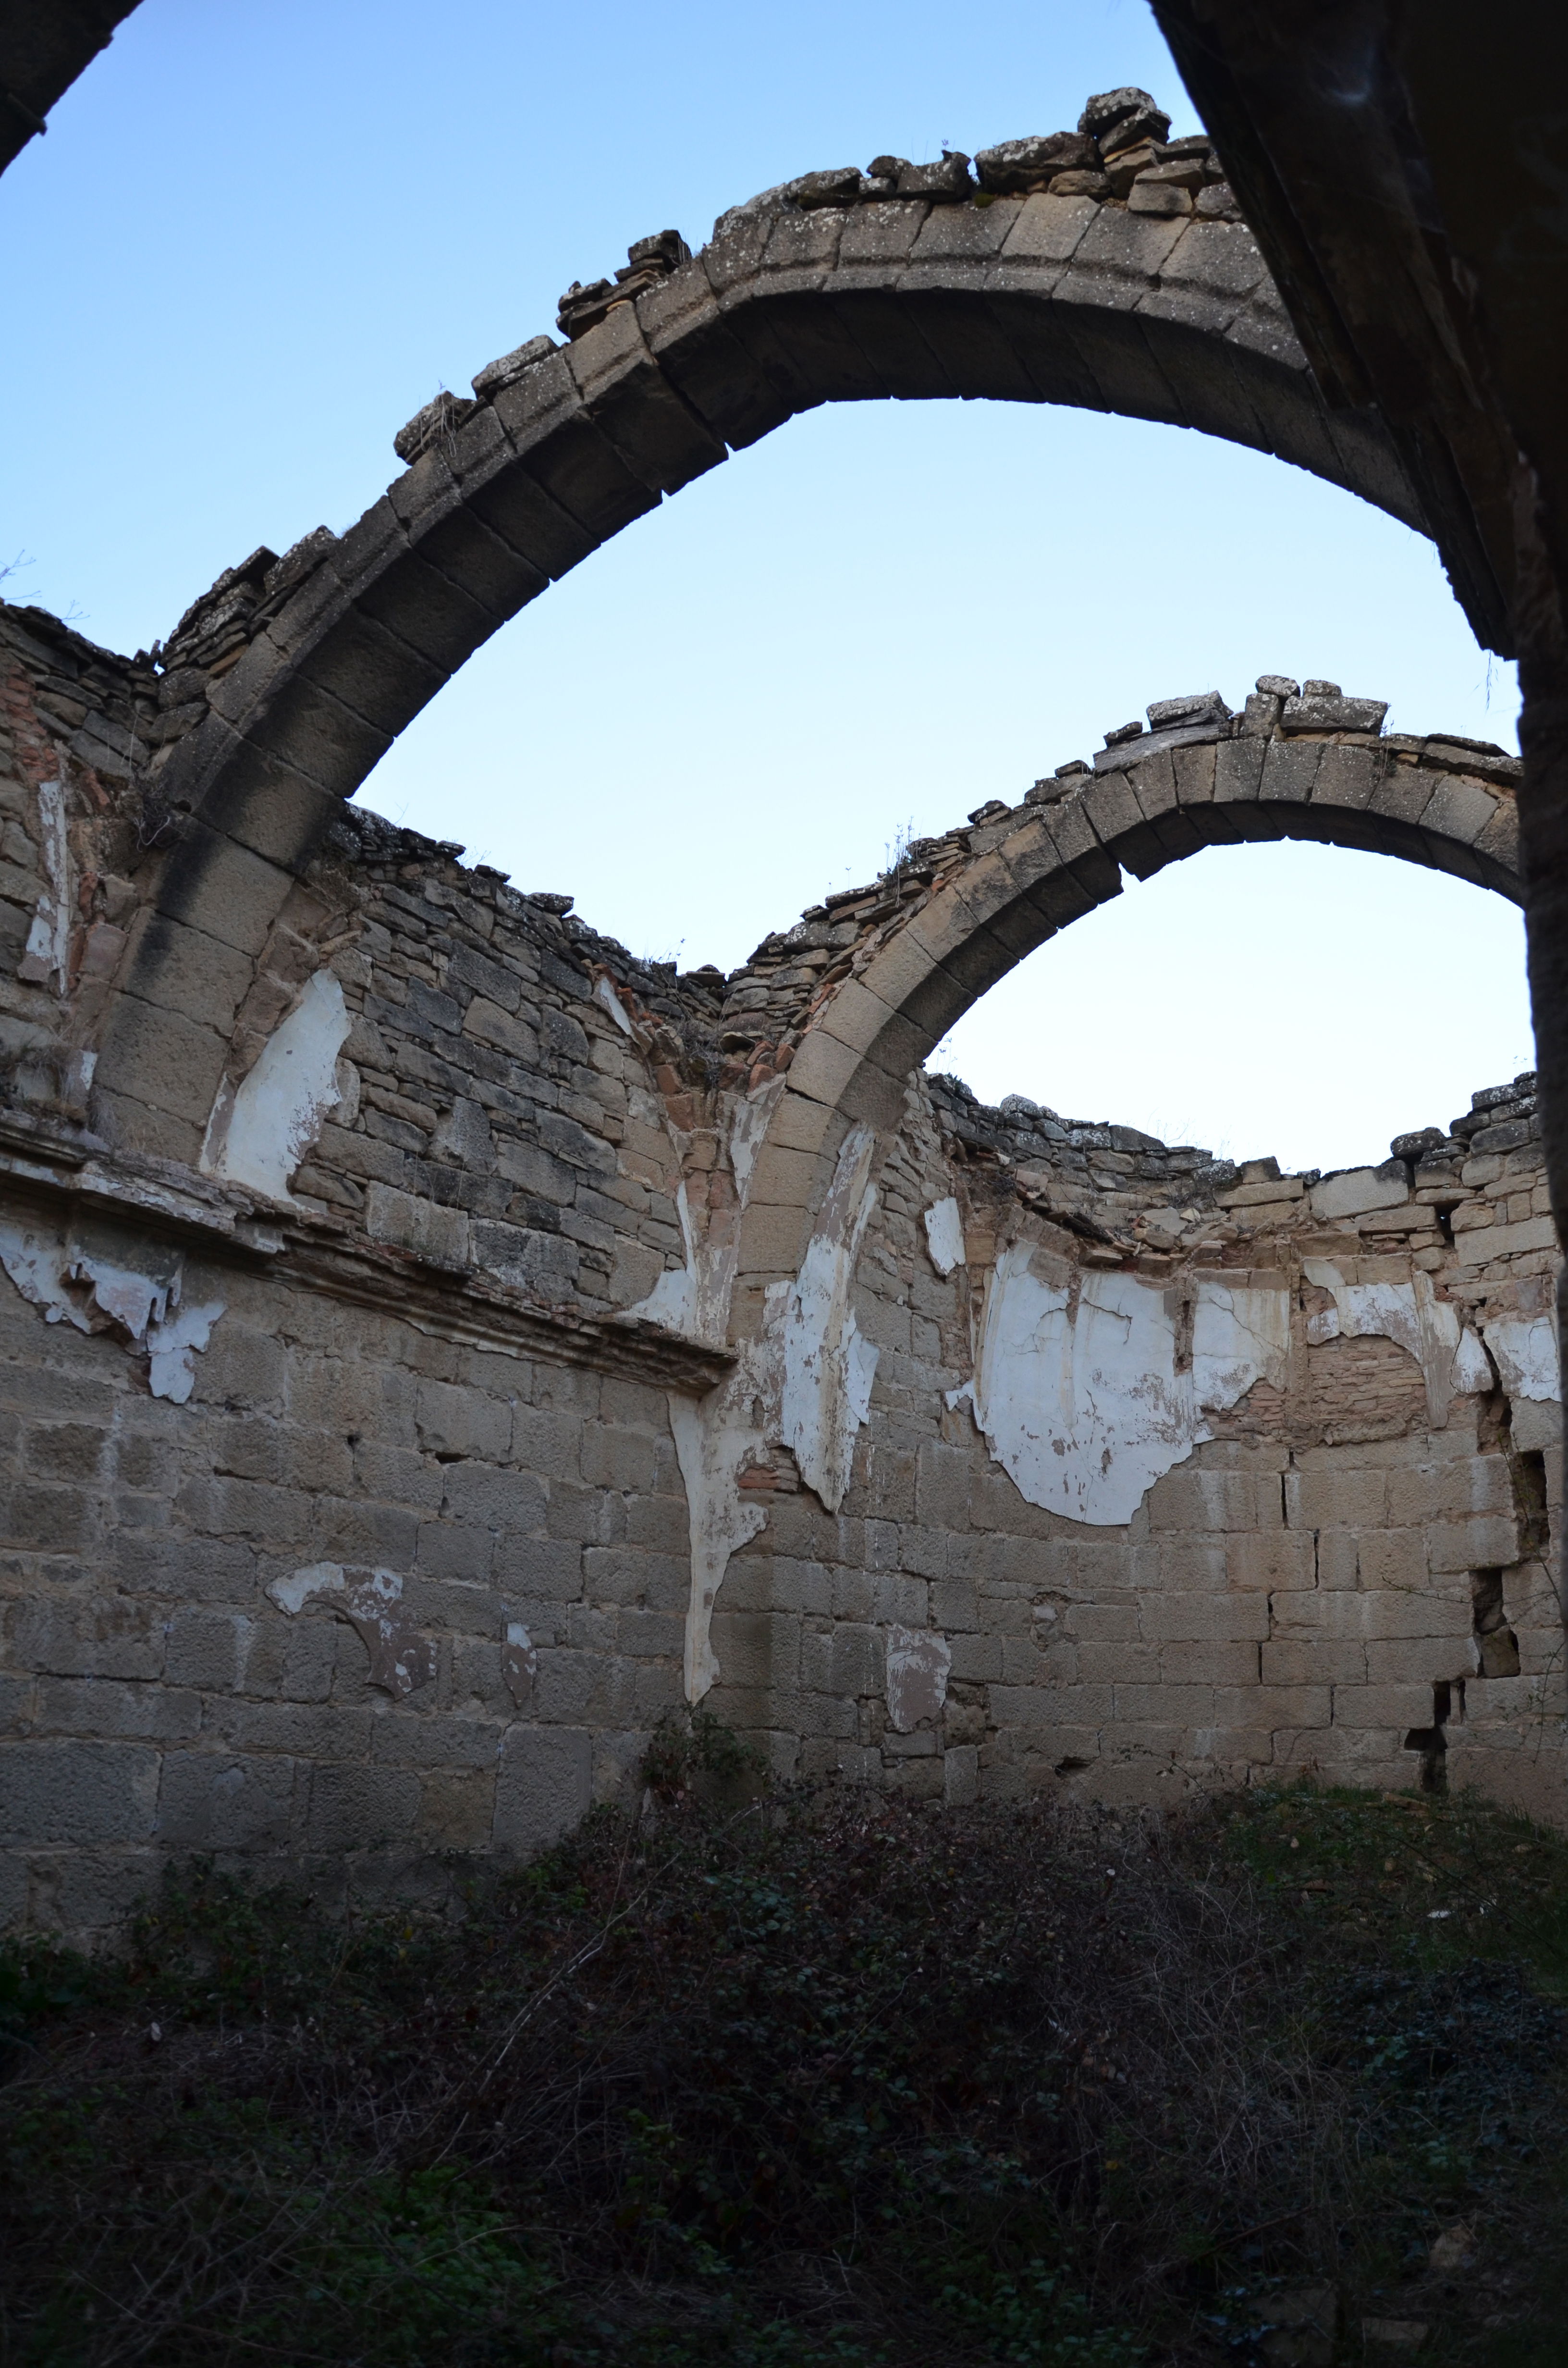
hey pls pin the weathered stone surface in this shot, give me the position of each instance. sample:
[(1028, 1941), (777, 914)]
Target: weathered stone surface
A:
[(1323, 707), (1015, 168), (581, 1346)]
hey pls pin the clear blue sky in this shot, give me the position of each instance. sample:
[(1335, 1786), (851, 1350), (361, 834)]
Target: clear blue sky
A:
[(260, 235)]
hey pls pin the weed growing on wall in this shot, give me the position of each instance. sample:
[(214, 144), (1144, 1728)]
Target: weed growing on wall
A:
[(781, 2080)]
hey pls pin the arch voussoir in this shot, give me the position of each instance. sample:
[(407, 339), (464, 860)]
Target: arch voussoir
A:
[(1069, 298), (980, 901)]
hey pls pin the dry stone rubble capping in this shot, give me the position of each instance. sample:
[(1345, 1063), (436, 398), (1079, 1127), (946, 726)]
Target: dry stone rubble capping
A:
[(438, 1344)]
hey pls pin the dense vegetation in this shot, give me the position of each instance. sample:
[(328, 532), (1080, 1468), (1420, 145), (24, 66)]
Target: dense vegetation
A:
[(817, 2078)]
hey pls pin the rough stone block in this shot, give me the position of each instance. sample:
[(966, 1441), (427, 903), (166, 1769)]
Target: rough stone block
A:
[(1506, 1241), (1312, 1660), (362, 1808), (1395, 1558), (1382, 1706), (1032, 1706), (88, 1895), (1360, 1190), (63, 1450), (544, 1787), (1120, 1662), (87, 1793), (53, 1521), (1185, 1705), (960, 1775), (1209, 1664), (216, 1801), (437, 1235), (376, 1536), (1465, 1485), (613, 1458), (454, 1422), (1421, 1660), (1487, 1542), (100, 1707), (1344, 1499), (206, 1649), (1189, 1499), (111, 1637), (942, 1485), (1191, 1619)]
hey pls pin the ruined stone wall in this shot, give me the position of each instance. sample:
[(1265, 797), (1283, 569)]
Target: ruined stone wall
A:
[(1243, 1473), (378, 1478)]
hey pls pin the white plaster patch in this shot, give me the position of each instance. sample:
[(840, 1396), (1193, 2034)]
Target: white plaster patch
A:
[(400, 1658), (694, 1299), (748, 1125), (806, 1383), (35, 1260), (259, 1133), (673, 1299), (944, 1236), (132, 1288), (605, 993), (828, 1368), (48, 952), (1358, 1191), (293, 1594), (919, 1661), (1452, 1361), (1526, 1351), (715, 1438), (1076, 1384), (172, 1344), (1239, 1335), (519, 1663)]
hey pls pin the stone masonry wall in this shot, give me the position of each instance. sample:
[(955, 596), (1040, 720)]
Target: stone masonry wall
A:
[(375, 1483), (1349, 1575)]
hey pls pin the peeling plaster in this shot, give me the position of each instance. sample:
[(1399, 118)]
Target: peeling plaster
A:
[(171, 1345), (944, 1236), (1452, 1360), (401, 1658), (519, 1663), (261, 1131), (718, 1436), (919, 1661), (673, 1302), (293, 1594), (748, 1125), (715, 1440), (694, 1299), (1083, 1396), (1077, 1386), (96, 1285), (604, 992), (48, 951), (1526, 1351), (828, 1368), (806, 1383)]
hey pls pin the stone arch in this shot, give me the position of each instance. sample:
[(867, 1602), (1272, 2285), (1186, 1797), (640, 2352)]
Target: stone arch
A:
[(996, 892), (311, 665)]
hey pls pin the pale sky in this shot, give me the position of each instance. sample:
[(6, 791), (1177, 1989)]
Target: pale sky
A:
[(257, 237)]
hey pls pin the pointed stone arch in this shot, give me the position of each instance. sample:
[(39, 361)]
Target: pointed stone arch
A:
[(1031, 870), (1067, 300)]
